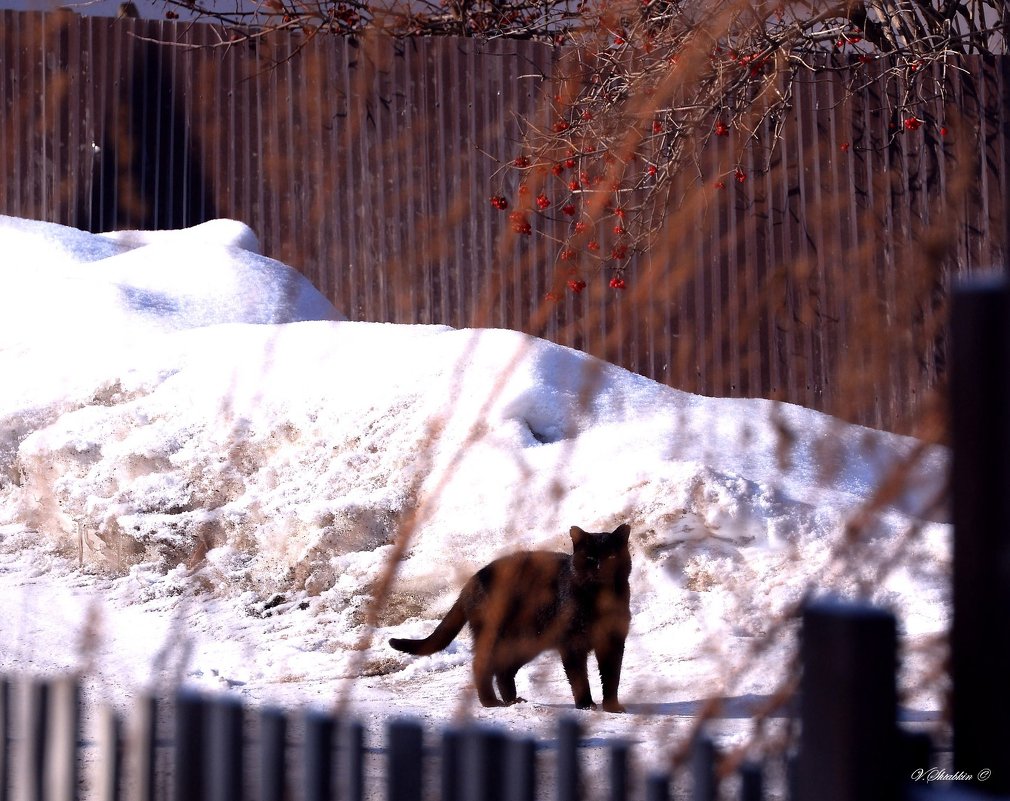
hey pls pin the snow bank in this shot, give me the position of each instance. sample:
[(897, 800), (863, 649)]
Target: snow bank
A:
[(188, 446)]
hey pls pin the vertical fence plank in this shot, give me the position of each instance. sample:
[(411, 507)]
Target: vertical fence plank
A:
[(110, 756), (568, 760), (483, 767), (61, 754), (657, 787), (451, 764), (848, 704), (521, 784), (751, 782), (273, 741), (703, 759), (143, 747), (352, 767), (33, 746), (5, 729), (188, 781), (404, 769), (618, 769), (980, 636), (320, 730), (224, 751)]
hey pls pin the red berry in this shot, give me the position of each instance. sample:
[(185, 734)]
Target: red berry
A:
[(499, 202), (543, 201), (844, 147), (580, 227), (574, 185), (587, 115), (523, 189), (593, 245), (657, 127), (653, 169), (560, 125), (912, 123), (943, 130), (620, 230), (617, 283), (552, 297), (619, 213), (576, 285), (719, 184), (740, 176), (721, 129), (619, 252), (570, 163), (521, 161), (557, 169), (568, 209)]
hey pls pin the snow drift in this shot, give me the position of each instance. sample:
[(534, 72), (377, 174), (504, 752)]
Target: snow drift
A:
[(177, 406)]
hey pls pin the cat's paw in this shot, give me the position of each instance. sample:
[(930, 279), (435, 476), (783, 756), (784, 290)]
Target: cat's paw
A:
[(585, 705), (613, 706), (518, 700)]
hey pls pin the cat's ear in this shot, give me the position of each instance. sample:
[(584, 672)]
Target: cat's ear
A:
[(623, 531), (578, 535)]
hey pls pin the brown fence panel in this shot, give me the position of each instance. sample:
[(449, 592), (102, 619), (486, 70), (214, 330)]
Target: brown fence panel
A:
[(368, 165)]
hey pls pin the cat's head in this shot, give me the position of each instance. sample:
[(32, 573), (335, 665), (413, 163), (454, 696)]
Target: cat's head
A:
[(601, 556)]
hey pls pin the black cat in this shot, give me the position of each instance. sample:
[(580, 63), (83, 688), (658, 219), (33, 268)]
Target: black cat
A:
[(526, 603)]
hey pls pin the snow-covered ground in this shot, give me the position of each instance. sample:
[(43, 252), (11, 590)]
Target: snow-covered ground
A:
[(206, 475)]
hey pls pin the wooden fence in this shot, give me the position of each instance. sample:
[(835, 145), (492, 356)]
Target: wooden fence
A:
[(367, 165), (850, 746)]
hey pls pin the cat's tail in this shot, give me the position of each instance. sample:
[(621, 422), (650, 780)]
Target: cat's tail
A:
[(444, 633)]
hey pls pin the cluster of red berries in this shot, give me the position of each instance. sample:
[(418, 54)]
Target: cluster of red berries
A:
[(499, 202)]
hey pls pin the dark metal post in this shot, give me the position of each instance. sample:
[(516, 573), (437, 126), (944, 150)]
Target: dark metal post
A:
[(224, 751), (980, 636), (751, 782), (273, 750), (5, 723), (703, 756), (452, 749), (404, 770), (37, 732), (657, 787), (484, 769), (618, 771), (110, 756), (352, 767), (143, 758), (188, 784), (521, 781), (568, 760), (848, 704), (320, 728)]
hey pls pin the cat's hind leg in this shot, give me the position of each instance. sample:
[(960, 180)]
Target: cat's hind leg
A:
[(574, 661), (507, 686)]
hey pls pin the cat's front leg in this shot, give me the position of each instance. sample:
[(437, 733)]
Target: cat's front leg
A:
[(609, 656), (507, 687), (575, 662)]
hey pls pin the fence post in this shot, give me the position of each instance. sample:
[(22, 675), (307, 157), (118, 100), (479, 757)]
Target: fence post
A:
[(5, 725), (273, 740), (522, 770), (404, 769), (568, 760), (224, 751), (318, 755), (353, 764), (483, 768), (33, 748), (188, 781), (703, 756), (980, 634), (657, 787), (752, 782), (110, 756), (848, 704), (143, 747), (452, 748), (618, 769)]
